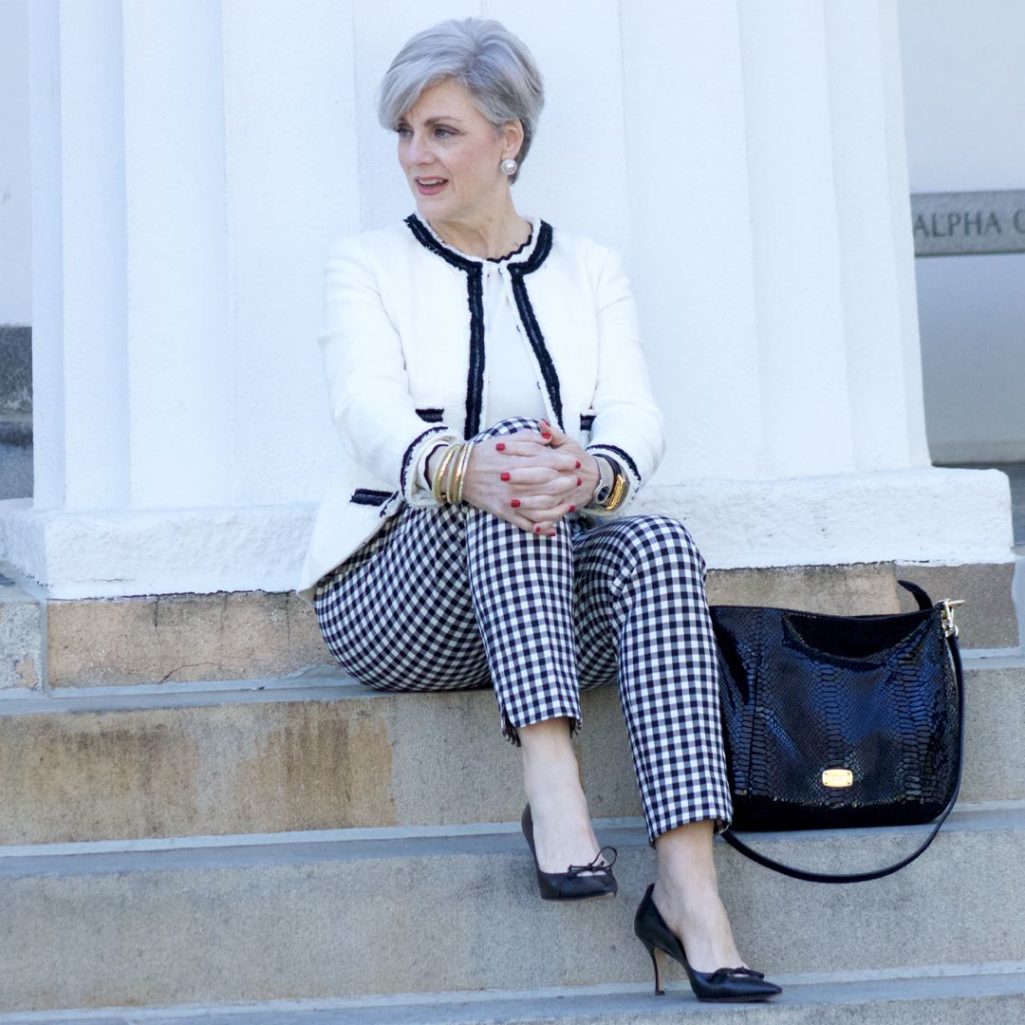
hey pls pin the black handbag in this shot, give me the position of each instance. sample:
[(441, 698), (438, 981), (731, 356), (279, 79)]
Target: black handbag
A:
[(836, 721)]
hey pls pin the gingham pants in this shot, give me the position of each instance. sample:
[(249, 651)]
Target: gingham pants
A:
[(453, 598)]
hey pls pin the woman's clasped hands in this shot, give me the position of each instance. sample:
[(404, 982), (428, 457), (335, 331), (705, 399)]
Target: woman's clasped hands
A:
[(532, 479)]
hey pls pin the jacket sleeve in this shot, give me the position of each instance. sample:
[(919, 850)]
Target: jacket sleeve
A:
[(628, 424), (366, 375)]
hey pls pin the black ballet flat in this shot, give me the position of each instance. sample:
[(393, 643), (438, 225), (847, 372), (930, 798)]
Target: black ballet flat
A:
[(578, 881), (726, 985)]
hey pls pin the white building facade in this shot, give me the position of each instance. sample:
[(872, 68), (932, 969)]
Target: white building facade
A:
[(191, 163)]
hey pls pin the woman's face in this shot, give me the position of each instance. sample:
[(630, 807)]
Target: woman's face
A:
[(451, 153)]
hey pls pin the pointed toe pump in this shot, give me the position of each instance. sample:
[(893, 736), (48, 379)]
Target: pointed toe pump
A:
[(594, 879), (724, 984)]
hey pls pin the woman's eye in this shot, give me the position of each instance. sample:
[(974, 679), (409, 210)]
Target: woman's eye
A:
[(403, 130), (442, 132)]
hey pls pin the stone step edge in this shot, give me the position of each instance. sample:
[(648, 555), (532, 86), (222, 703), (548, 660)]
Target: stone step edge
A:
[(571, 1004), (319, 684), (254, 849)]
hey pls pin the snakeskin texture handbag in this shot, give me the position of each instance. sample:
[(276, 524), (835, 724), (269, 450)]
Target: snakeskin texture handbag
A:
[(834, 721)]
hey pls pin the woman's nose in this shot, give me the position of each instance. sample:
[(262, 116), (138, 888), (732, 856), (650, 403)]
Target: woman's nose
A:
[(418, 151)]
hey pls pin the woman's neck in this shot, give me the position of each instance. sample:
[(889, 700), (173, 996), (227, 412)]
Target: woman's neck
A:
[(487, 238)]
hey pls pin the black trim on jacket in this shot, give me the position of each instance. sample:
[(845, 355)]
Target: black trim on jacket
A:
[(368, 496), (475, 374), (407, 456), (627, 458), (533, 329), (475, 301)]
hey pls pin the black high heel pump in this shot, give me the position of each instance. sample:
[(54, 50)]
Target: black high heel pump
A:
[(579, 881), (724, 984)]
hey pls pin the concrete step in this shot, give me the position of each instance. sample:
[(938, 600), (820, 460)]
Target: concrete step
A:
[(951, 994), (99, 642), (319, 916), (321, 752)]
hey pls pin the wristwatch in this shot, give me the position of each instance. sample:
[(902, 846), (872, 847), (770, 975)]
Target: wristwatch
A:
[(611, 489)]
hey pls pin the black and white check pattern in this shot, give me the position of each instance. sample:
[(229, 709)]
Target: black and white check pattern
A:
[(452, 598)]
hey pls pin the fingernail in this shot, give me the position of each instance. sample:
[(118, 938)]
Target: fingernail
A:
[(579, 482), (500, 446), (547, 437), (505, 475), (515, 503), (537, 530), (572, 508), (578, 464), (551, 533)]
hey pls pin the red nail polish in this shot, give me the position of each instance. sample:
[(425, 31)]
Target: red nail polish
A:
[(537, 530), (505, 475), (578, 464), (500, 446), (515, 503), (547, 437), (551, 533), (572, 508), (579, 482)]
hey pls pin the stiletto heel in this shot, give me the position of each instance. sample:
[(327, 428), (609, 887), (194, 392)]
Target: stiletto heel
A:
[(724, 984), (659, 991), (578, 881)]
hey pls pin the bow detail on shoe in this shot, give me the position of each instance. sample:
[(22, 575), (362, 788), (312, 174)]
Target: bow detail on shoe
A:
[(594, 879), (722, 974), (601, 862)]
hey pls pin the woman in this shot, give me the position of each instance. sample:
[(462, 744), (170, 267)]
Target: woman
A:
[(491, 393)]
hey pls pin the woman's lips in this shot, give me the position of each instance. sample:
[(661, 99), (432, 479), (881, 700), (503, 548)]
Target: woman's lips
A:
[(430, 186)]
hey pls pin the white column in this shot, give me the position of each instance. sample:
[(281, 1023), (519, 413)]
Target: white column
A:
[(884, 368), (806, 415), (192, 163), (79, 331), (772, 257), (181, 360), (291, 169), (693, 262)]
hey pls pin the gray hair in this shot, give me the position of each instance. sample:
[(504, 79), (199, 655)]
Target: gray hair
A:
[(494, 66)]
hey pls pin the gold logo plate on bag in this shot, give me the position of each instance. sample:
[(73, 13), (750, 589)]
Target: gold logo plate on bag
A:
[(837, 778)]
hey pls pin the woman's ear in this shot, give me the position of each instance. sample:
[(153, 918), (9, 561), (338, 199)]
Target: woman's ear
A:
[(512, 138)]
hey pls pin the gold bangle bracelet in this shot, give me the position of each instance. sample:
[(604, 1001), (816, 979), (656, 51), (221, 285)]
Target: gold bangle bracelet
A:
[(463, 466), (448, 485), (439, 476)]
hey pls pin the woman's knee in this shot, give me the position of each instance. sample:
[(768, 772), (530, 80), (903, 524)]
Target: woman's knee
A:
[(662, 538)]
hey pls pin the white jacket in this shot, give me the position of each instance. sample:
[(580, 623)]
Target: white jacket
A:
[(403, 346)]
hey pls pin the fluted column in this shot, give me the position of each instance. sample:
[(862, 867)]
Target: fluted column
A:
[(80, 394), (773, 260), (192, 163)]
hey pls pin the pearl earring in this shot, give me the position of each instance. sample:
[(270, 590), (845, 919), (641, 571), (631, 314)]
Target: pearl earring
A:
[(509, 166)]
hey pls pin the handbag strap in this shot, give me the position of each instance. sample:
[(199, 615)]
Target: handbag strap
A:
[(924, 603)]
